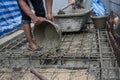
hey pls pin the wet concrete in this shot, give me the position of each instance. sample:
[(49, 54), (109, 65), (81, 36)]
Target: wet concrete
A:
[(88, 50)]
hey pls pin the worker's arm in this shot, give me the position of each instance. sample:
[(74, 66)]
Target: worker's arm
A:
[(28, 11), (71, 2), (48, 4)]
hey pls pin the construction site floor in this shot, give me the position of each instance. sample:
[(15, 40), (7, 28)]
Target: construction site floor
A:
[(83, 55)]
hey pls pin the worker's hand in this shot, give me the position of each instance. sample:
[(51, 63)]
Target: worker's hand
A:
[(38, 20), (72, 2), (50, 17)]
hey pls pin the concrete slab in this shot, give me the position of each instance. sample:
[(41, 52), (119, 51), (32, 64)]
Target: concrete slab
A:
[(10, 37)]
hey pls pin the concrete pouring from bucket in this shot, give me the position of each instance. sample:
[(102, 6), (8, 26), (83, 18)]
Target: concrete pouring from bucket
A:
[(47, 34), (72, 21)]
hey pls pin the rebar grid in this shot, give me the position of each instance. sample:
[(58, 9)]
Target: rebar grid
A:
[(86, 55), (60, 74)]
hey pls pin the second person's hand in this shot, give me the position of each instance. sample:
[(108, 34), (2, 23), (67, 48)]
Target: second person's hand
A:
[(50, 17)]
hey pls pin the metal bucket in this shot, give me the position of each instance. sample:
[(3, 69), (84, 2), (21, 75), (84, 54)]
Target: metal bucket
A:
[(47, 35), (99, 21), (72, 21)]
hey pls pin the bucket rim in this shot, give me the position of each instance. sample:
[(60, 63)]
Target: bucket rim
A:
[(98, 17), (87, 11)]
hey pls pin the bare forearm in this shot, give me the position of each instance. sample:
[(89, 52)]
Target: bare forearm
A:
[(71, 1), (48, 4), (26, 9)]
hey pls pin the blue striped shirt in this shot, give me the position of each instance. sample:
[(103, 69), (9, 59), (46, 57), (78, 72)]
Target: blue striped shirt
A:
[(10, 16)]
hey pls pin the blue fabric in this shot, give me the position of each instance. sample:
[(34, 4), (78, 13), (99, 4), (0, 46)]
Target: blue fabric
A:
[(10, 16), (98, 8)]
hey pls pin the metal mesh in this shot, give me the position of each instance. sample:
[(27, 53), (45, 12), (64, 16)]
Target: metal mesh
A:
[(85, 55)]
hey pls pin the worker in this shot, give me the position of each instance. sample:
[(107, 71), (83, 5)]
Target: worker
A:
[(76, 4), (37, 17)]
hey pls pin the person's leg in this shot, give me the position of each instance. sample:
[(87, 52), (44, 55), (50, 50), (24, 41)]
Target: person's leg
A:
[(27, 30), (39, 11), (28, 34)]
